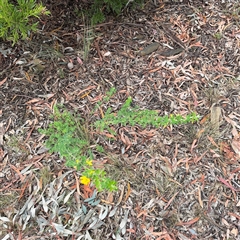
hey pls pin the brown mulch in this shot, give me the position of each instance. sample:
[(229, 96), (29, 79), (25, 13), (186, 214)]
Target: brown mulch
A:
[(178, 182)]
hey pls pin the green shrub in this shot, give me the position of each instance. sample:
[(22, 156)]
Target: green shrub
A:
[(101, 7), (16, 20)]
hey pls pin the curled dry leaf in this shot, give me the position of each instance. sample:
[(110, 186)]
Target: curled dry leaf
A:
[(113, 211), (103, 212)]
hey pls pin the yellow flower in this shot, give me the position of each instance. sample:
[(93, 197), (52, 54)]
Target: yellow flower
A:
[(84, 180), (89, 162)]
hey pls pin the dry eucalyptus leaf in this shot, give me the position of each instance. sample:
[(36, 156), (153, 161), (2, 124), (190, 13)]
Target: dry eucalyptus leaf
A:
[(95, 220), (87, 236), (124, 220), (235, 132), (5, 219), (112, 213), (236, 146), (235, 232), (26, 219), (149, 49), (68, 196), (118, 237), (103, 212), (1, 133), (98, 225), (61, 229), (68, 50), (45, 205)]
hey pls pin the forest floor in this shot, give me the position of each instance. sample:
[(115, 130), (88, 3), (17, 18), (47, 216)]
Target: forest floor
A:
[(177, 182)]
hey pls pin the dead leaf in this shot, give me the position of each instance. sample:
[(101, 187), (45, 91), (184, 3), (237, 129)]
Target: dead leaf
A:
[(228, 184), (147, 133), (189, 222), (204, 119), (227, 151), (79, 61), (149, 49), (234, 214), (22, 177), (1, 133), (3, 81), (236, 146), (34, 100), (170, 201), (109, 198), (200, 197), (121, 195), (128, 192), (234, 231), (212, 141)]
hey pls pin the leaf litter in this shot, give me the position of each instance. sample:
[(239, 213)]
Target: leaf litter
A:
[(178, 182)]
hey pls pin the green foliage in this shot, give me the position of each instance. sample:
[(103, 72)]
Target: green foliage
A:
[(218, 35), (68, 136), (128, 115), (101, 7), (15, 19), (109, 94), (100, 180), (97, 16)]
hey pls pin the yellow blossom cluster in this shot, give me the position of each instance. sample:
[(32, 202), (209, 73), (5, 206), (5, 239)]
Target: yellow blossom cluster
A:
[(84, 180)]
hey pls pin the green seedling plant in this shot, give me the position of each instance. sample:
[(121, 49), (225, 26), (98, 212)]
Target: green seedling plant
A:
[(68, 136), (16, 20), (218, 35), (132, 116), (108, 96)]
